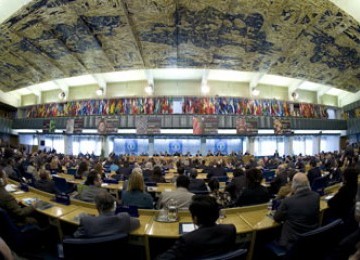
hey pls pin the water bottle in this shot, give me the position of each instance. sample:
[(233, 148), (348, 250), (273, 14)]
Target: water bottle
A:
[(172, 210)]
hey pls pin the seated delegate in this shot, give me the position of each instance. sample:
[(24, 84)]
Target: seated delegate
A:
[(107, 223)]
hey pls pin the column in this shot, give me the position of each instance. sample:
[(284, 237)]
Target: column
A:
[(68, 144), (203, 150), (316, 144), (151, 145), (250, 145), (288, 145)]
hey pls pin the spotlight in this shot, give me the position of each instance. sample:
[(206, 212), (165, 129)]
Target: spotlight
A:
[(100, 92), (255, 91), (205, 88), (62, 95), (295, 95), (149, 89)]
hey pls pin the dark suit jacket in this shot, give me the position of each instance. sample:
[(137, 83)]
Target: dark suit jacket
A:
[(253, 195), (18, 214), (197, 185), (300, 214), (203, 242), (106, 224), (313, 174), (45, 185), (216, 172)]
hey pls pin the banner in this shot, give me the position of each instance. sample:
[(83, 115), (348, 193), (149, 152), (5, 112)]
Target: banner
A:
[(220, 147), (175, 147), (246, 126), (205, 125), (148, 125), (107, 125), (78, 125), (281, 126), (48, 126)]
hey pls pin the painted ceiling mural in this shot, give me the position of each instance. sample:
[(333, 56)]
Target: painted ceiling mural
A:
[(50, 39)]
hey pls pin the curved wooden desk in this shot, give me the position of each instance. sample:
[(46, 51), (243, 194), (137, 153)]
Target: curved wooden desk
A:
[(247, 220)]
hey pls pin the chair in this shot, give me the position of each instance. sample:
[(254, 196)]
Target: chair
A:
[(110, 181), (19, 239), (315, 244), (71, 171), (62, 186), (236, 254), (105, 247)]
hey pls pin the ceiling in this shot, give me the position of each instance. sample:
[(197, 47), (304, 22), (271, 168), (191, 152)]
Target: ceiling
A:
[(304, 40)]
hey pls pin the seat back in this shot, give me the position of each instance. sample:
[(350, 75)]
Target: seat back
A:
[(268, 175), (18, 239), (236, 254), (105, 247), (62, 186), (317, 243)]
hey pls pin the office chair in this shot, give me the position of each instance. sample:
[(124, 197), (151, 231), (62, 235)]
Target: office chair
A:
[(19, 239), (236, 254), (71, 171), (268, 175), (62, 186), (104, 247), (315, 244)]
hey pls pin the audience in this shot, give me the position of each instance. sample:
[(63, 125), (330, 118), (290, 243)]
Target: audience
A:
[(107, 223), (299, 213), (237, 184), (181, 195), (135, 194), (314, 172), (209, 239), (157, 175)]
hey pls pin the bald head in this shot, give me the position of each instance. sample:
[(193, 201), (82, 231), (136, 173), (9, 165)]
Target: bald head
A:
[(300, 182)]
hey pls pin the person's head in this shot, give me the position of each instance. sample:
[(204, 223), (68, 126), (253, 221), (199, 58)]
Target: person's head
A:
[(157, 171), (204, 210), (44, 174), (300, 182), (136, 180), (313, 163), (83, 167), (3, 178), (180, 170), (104, 202), (214, 184), (93, 178), (183, 182), (254, 176), (193, 173), (238, 172), (148, 166)]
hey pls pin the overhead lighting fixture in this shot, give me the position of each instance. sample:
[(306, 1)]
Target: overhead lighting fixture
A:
[(295, 95), (100, 92), (149, 89), (62, 95), (255, 92), (205, 88)]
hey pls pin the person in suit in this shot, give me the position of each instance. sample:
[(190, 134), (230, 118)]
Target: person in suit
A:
[(21, 216), (157, 175), (237, 184), (107, 223), (299, 213), (314, 172), (181, 195), (254, 193), (209, 239), (217, 171), (196, 184)]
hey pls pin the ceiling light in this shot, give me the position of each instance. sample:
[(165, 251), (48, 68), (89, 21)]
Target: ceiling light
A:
[(205, 88), (62, 95), (100, 91), (255, 91), (149, 89)]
